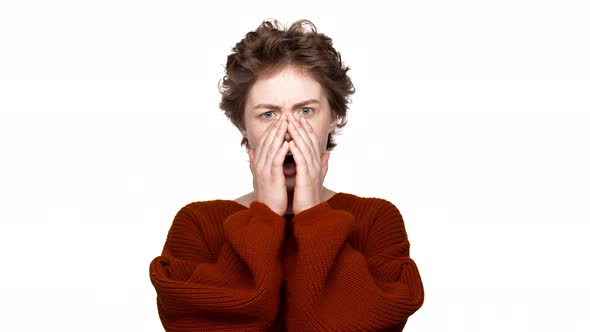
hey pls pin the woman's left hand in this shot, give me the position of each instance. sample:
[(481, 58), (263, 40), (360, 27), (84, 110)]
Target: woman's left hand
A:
[(312, 165)]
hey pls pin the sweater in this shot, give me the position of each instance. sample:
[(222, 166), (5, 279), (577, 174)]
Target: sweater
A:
[(342, 265)]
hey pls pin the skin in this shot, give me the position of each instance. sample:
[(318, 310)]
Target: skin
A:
[(276, 123)]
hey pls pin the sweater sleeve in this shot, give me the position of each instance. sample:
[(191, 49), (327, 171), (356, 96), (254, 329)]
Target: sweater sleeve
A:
[(338, 288), (239, 290)]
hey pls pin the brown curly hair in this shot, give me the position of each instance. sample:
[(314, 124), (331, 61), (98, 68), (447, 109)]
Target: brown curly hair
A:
[(270, 48)]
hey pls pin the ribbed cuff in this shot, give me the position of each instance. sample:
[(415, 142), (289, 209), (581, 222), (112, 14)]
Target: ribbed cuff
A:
[(259, 208), (322, 221), (313, 213)]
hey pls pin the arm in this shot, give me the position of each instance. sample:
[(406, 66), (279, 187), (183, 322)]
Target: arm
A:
[(337, 288), (237, 290)]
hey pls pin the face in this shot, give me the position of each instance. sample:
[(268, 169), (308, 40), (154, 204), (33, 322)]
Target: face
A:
[(292, 91)]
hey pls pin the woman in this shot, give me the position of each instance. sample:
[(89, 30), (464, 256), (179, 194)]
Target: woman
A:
[(291, 255)]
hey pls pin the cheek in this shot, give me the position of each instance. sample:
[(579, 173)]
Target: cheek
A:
[(255, 136), (321, 132)]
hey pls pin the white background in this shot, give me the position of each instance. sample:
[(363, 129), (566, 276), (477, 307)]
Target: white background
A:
[(471, 117)]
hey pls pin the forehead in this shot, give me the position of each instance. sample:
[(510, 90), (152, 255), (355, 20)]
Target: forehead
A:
[(289, 86)]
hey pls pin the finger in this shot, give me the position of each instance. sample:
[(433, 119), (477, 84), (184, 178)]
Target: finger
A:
[(303, 147), (311, 135), (313, 141), (300, 162), (277, 163), (265, 147), (301, 131), (277, 143), (262, 140)]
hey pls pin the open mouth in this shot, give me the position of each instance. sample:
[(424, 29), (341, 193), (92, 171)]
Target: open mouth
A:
[(289, 166), (289, 159)]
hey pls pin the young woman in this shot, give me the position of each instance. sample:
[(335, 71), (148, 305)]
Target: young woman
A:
[(291, 255)]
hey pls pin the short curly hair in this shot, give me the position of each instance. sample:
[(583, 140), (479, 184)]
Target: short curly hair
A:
[(271, 48)]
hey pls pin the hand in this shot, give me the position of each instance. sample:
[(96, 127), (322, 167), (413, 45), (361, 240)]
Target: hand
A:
[(266, 164), (312, 165)]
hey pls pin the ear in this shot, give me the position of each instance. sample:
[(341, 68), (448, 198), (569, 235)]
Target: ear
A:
[(333, 122), (245, 134)]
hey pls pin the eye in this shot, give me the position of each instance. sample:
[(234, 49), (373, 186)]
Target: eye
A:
[(310, 110), (266, 113)]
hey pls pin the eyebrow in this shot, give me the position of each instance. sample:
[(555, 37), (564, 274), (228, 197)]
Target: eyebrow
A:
[(275, 107)]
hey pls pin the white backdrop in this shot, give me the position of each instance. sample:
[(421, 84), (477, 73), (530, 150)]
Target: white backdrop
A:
[(471, 117)]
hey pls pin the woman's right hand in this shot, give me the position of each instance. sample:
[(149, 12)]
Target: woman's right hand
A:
[(266, 164)]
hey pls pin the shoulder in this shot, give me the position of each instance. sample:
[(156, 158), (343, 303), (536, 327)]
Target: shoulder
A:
[(387, 220), (202, 220), (367, 204), (377, 220), (369, 212)]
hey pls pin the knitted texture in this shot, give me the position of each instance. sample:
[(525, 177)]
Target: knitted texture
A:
[(342, 265)]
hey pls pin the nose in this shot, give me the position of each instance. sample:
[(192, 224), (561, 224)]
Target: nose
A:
[(288, 137)]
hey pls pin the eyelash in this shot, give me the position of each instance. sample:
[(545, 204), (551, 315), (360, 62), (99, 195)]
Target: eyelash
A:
[(262, 115)]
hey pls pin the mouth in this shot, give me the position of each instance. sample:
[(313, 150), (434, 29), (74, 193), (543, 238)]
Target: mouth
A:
[(289, 166), (289, 159)]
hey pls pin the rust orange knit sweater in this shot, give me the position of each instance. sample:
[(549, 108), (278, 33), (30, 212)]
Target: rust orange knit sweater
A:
[(342, 265)]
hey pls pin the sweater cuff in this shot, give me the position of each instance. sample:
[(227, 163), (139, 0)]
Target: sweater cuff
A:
[(259, 208), (257, 211), (323, 213), (323, 222), (312, 214)]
